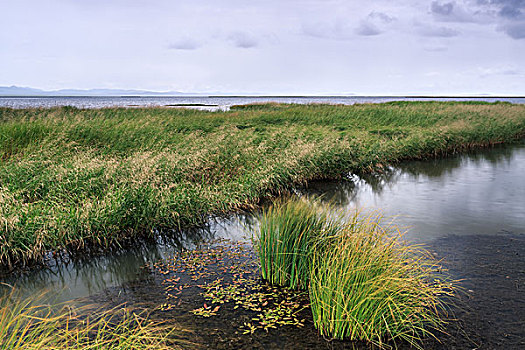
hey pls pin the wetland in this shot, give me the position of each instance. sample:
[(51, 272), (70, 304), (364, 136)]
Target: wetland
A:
[(201, 273)]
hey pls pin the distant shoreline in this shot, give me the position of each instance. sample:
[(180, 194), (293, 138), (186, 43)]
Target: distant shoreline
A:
[(258, 96)]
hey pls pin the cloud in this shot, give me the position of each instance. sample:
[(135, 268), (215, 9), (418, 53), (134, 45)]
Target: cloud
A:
[(507, 8), (374, 24), (243, 40), (503, 70), (511, 14), (184, 44), (454, 12), (435, 48), (508, 16), (382, 17), (339, 29), (514, 29), (368, 29), (442, 9)]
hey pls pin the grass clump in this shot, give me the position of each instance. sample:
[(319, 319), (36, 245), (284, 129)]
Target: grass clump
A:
[(287, 235), (29, 324), (368, 285), (364, 283)]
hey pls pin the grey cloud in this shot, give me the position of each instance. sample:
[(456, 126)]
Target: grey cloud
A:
[(442, 9), (339, 29), (507, 15), (511, 72), (374, 24), (506, 8), (510, 12), (454, 12), (492, 71), (515, 30), (243, 40), (511, 16), (367, 29), (317, 30), (184, 44), (381, 17)]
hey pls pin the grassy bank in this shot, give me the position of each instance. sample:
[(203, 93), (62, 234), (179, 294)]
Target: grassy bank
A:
[(71, 177)]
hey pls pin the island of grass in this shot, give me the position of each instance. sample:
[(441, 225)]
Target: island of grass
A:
[(71, 177)]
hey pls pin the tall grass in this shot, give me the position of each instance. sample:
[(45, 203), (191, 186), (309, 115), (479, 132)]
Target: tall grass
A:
[(75, 177), (367, 285), (30, 324), (364, 283), (288, 232)]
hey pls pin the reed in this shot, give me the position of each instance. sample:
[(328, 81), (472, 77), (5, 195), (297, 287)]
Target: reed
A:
[(71, 178), (366, 284), (288, 232), (30, 324)]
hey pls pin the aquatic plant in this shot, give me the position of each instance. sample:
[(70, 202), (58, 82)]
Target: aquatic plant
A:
[(287, 234), (239, 286), (366, 284), (31, 324), (363, 281), (72, 178)]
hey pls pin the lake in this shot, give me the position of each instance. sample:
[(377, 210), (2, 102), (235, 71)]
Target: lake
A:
[(214, 103)]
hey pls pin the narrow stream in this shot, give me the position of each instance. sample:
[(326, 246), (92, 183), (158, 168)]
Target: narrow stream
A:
[(469, 209)]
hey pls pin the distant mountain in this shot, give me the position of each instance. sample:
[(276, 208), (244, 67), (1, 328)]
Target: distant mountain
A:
[(25, 91)]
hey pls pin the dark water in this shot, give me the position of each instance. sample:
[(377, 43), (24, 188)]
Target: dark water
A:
[(468, 209), (217, 103)]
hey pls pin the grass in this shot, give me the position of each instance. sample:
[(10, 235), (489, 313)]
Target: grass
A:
[(367, 285), (74, 177), (288, 232), (364, 284), (28, 324)]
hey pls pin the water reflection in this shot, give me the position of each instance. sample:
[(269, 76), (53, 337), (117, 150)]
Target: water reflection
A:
[(477, 193), (83, 275)]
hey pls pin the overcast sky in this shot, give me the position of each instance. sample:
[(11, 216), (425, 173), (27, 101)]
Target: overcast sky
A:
[(368, 47)]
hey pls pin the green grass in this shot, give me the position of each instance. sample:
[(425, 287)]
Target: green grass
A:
[(367, 285), (364, 283), (29, 324), (287, 234), (71, 177)]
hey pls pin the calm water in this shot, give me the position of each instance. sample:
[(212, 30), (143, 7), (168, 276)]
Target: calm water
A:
[(478, 193), (215, 103)]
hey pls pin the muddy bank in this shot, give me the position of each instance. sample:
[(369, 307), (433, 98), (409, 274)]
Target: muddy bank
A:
[(490, 312)]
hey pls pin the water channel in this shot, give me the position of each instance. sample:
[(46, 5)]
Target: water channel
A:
[(469, 209)]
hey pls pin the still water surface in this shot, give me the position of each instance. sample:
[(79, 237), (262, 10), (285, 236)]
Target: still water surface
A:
[(212, 103), (478, 193)]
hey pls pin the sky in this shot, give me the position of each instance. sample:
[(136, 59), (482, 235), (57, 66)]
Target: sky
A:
[(276, 47)]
